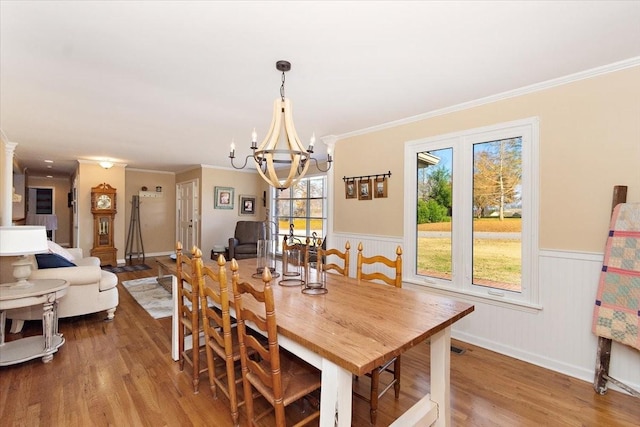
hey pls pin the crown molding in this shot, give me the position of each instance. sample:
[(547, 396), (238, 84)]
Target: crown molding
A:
[(150, 171), (247, 169)]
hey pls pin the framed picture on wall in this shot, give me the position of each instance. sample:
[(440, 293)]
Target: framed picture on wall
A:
[(223, 198), (364, 189), (247, 205), (350, 190), (380, 187)]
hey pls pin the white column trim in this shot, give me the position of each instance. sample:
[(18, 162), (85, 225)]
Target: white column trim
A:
[(7, 182)]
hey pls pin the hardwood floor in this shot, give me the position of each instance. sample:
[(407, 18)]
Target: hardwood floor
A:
[(121, 373)]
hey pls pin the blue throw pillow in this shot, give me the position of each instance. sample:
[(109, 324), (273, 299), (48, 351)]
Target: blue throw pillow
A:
[(52, 261)]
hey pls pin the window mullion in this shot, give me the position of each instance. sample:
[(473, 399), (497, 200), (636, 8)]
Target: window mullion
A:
[(464, 221)]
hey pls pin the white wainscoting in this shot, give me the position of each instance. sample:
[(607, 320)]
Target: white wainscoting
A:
[(371, 245), (558, 337)]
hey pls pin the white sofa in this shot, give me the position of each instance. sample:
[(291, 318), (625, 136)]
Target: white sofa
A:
[(91, 290)]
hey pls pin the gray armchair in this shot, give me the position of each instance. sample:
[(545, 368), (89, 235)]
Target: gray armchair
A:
[(244, 244)]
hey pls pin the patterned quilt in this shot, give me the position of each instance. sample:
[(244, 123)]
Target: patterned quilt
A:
[(617, 310)]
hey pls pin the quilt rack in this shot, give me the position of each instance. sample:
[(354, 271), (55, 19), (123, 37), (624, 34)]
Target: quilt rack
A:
[(603, 354)]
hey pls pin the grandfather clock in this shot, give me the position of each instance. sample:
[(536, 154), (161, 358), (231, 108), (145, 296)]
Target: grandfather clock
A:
[(103, 208)]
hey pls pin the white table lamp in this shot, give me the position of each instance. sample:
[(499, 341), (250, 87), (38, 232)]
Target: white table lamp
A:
[(22, 240)]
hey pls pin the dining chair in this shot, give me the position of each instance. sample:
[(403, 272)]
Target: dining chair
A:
[(323, 255), (387, 367), (189, 316), (281, 378), (221, 338)]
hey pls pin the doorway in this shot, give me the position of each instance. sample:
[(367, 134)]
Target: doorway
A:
[(187, 213), (40, 209)]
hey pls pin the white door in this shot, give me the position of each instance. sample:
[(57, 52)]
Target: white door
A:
[(187, 214)]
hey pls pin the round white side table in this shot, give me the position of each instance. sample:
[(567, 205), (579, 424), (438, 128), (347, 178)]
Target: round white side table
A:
[(45, 292)]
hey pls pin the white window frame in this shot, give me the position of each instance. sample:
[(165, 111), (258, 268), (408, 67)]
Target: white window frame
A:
[(462, 220), (274, 218)]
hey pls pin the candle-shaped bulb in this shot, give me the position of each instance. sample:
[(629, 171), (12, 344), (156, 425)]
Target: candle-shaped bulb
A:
[(254, 136), (233, 149), (313, 140), (328, 154)]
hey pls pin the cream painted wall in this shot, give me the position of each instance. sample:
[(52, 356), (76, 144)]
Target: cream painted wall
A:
[(157, 215), (61, 186), (189, 175), (89, 175), (218, 225), (589, 142)]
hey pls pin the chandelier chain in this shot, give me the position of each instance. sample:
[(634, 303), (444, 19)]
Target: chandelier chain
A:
[(282, 87)]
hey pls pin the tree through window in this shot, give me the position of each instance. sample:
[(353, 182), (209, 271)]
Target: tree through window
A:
[(497, 205)]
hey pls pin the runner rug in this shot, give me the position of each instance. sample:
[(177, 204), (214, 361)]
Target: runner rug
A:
[(154, 298), (126, 268), (617, 310)]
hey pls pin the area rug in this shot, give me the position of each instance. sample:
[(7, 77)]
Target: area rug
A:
[(126, 268), (617, 310), (155, 299)]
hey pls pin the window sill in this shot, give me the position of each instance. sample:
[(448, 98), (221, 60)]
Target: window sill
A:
[(499, 301)]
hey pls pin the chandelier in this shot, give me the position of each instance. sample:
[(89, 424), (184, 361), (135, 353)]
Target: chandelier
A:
[(269, 158)]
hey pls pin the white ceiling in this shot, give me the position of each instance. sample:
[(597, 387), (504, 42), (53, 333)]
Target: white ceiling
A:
[(165, 85)]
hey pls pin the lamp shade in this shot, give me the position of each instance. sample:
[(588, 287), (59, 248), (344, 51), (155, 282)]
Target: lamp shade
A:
[(23, 240)]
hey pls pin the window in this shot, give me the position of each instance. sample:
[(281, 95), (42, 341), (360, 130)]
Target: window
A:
[(471, 223), (303, 205)]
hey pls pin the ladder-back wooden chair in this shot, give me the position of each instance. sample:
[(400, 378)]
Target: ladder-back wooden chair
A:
[(323, 255), (396, 281), (221, 338), (189, 315), (280, 377)]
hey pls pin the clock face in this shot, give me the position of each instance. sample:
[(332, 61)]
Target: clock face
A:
[(103, 202)]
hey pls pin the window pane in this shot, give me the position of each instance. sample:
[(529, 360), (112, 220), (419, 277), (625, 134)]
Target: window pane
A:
[(497, 214), (301, 228), (299, 208), (299, 189), (435, 188), (283, 225), (316, 187), (283, 207), (284, 194), (315, 208), (303, 206), (315, 226)]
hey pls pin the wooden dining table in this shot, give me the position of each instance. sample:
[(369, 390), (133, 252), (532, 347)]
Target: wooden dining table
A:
[(352, 329)]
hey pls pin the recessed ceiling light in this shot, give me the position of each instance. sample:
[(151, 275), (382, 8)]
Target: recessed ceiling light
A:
[(48, 161), (49, 176)]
